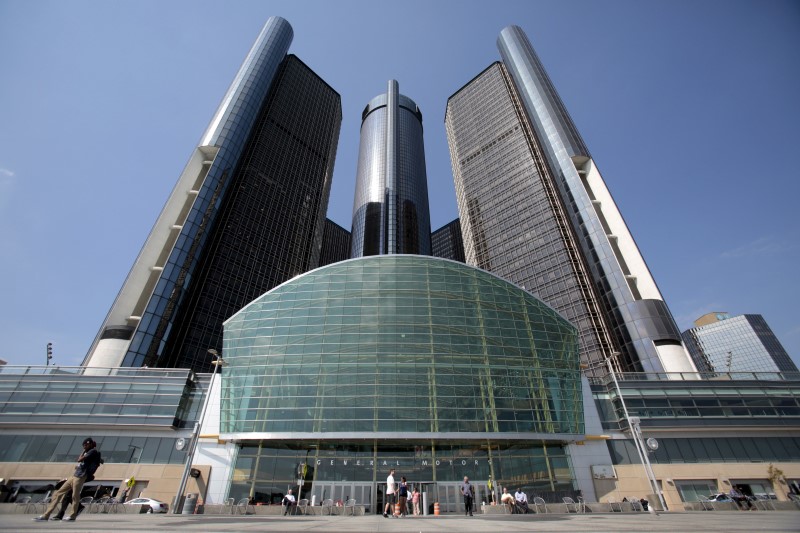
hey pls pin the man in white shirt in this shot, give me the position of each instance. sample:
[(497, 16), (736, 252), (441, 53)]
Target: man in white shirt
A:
[(522, 501), (289, 502), (391, 495)]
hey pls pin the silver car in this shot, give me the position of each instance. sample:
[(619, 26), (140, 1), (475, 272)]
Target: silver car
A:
[(155, 505)]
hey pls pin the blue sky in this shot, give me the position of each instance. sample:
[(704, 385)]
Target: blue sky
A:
[(689, 108)]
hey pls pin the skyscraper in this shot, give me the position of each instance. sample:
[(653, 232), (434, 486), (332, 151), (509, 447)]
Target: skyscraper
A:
[(335, 244), (246, 214), (744, 343), (535, 210), (390, 210), (447, 243)]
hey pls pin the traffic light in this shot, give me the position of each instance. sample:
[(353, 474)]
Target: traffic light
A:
[(49, 352)]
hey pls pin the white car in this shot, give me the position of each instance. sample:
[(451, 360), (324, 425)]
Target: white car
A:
[(155, 505)]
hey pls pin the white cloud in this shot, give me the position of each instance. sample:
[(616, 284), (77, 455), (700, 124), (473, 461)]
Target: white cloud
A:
[(6, 174), (759, 247)]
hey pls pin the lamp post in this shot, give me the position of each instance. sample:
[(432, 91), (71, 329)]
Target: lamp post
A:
[(638, 440), (218, 362)]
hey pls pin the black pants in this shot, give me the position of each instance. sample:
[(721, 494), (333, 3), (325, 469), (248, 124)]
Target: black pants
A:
[(468, 505)]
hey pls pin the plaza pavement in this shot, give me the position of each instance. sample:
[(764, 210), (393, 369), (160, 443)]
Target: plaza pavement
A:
[(677, 522)]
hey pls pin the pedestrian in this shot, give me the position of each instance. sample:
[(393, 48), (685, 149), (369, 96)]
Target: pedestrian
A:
[(289, 502), (88, 463), (522, 501), (403, 496), (738, 497), (469, 493), (415, 501), (490, 486), (507, 499), (391, 494)]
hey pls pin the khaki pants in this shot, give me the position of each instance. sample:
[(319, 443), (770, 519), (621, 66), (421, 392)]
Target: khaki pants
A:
[(74, 483)]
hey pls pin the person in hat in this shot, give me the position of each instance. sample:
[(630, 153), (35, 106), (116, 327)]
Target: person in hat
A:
[(88, 462)]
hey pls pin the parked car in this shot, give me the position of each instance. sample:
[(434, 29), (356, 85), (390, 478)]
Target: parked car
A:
[(720, 497), (155, 505)]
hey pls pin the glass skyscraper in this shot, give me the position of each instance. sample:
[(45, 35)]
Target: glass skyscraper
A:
[(335, 244), (447, 243), (535, 210), (246, 214), (390, 210), (744, 343), (397, 359)]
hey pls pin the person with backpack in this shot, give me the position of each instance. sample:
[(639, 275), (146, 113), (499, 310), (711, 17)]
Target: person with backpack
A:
[(88, 463)]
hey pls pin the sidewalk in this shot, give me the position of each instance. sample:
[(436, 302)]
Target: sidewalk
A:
[(667, 522)]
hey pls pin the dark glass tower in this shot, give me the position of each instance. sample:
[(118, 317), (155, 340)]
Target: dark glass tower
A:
[(335, 244), (447, 243), (535, 210), (246, 215), (390, 210)]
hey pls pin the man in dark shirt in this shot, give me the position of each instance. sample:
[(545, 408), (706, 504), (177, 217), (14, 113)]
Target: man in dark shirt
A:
[(468, 492), (88, 462)]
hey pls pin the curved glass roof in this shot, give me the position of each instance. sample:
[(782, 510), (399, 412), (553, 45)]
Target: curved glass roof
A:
[(400, 345)]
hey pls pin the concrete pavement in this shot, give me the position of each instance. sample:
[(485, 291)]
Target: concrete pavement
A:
[(668, 522)]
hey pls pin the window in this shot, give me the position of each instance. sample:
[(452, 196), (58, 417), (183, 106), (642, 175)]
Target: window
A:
[(696, 489)]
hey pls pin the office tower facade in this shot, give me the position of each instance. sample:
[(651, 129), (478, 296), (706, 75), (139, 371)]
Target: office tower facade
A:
[(335, 244), (744, 343), (447, 243), (390, 210), (246, 214), (535, 210)]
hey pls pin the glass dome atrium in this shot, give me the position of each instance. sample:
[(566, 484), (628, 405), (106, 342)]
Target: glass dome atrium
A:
[(405, 360)]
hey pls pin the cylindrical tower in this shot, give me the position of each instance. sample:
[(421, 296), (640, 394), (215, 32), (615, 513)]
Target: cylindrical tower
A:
[(144, 310), (390, 210), (646, 336)]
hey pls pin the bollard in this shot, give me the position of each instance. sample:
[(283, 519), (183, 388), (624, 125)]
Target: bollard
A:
[(436, 509)]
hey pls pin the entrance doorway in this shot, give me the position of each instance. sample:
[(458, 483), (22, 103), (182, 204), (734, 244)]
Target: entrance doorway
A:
[(341, 491), (452, 501)]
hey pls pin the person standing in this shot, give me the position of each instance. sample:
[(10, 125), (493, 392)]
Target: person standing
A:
[(88, 463), (469, 493), (403, 496), (415, 501), (391, 495)]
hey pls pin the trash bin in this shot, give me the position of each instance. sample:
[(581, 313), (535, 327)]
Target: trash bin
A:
[(190, 503)]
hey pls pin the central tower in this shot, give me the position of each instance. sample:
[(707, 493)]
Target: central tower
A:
[(390, 210)]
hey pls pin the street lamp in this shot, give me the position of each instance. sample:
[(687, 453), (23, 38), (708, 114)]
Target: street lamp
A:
[(218, 362), (636, 431)]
